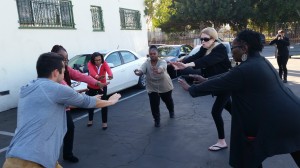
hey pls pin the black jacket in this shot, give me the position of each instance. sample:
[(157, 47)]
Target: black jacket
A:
[(282, 46), (262, 107), (216, 62)]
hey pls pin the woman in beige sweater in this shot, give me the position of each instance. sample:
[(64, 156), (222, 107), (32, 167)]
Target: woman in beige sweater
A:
[(158, 84)]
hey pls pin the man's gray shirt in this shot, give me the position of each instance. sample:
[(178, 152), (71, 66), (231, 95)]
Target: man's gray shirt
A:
[(41, 123)]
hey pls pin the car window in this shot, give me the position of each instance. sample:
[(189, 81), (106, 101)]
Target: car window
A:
[(80, 59), (188, 49), (127, 56), (168, 51), (114, 58), (87, 59), (182, 49)]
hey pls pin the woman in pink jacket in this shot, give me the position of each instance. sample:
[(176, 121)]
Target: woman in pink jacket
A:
[(98, 69), (71, 74)]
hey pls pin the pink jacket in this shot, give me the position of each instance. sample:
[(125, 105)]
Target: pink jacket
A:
[(78, 76), (103, 70)]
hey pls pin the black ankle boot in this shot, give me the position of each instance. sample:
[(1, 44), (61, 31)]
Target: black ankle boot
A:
[(172, 115), (72, 159), (157, 123)]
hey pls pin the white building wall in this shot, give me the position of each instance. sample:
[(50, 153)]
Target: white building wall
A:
[(20, 48)]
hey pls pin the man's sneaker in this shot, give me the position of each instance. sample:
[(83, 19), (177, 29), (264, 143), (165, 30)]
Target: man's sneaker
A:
[(72, 159)]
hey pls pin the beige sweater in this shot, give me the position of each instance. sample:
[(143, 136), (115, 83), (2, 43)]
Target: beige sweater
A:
[(159, 83)]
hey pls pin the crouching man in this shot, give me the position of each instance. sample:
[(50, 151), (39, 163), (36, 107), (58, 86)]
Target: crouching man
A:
[(41, 120)]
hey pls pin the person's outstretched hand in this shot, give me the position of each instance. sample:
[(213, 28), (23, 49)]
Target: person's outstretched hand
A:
[(114, 98), (178, 65), (198, 78), (101, 85), (138, 72), (184, 84), (98, 96)]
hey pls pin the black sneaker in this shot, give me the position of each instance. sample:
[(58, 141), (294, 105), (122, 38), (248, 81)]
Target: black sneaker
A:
[(156, 124), (284, 81), (72, 159), (172, 115)]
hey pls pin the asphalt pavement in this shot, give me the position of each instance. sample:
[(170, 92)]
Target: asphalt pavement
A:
[(132, 141)]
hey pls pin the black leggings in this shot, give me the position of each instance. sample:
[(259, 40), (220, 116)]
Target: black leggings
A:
[(69, 136), (104, 110), (222, 101), (154, 98), (282, 61)]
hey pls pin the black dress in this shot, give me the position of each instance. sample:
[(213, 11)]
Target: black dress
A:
[(265, 113)]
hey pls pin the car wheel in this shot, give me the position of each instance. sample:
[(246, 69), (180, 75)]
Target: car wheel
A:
[(142, 82)]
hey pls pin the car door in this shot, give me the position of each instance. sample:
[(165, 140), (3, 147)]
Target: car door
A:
[(130, 64), (117, 82)]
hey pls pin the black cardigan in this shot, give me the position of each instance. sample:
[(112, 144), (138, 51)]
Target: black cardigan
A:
[(216, 62), (262, 107), (282, 46)]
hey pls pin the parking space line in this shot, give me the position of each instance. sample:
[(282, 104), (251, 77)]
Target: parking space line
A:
[(3, 149), (85, 115), (6, 133)]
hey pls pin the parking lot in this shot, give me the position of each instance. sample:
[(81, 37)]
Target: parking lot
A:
[(131, 140)]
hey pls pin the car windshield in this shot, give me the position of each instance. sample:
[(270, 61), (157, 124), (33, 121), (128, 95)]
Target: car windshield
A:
[(168, 51)]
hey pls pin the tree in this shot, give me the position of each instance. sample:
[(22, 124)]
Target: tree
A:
[(180, 15), (159, 11)]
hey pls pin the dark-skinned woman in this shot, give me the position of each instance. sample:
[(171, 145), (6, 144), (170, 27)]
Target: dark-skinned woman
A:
[(265, 113), (71, 74), (158, 84), (98, 68)]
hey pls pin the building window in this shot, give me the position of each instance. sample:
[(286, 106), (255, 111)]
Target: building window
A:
[(97, 18), (45, 13), (130, 19)]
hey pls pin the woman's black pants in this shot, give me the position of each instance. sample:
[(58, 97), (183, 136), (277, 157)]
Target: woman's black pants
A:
[(69, 136), (104, 110), (154, 98), (222, 101), (282, 61)]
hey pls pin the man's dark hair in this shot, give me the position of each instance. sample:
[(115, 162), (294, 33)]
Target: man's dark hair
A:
[(94, 55), (251, 39), (47, 63)]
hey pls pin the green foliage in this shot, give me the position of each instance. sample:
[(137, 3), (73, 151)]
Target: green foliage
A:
[(180, 15)]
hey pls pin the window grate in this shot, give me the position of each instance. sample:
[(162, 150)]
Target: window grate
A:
[(45, 14), (97, 18), (130, 19)]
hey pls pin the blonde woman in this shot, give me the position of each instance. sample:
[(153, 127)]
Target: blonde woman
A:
[(212, 59)]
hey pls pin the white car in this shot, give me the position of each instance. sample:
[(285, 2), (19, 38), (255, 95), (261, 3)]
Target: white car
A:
[(122, 63)]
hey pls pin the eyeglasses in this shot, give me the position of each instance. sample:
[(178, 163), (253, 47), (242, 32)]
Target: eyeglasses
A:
[(205, 39), (98, 60), (236, 47), (66, 60)]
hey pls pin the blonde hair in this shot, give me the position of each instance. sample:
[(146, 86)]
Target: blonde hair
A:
[(211, 32)]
